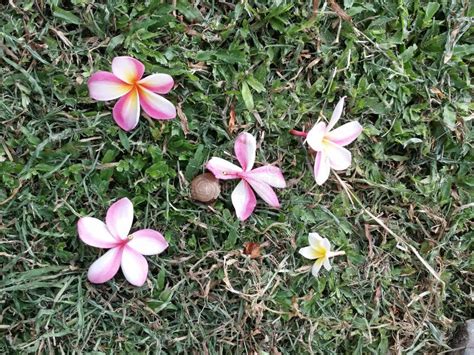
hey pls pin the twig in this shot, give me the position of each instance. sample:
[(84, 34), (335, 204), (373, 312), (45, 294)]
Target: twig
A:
[(398, 238)]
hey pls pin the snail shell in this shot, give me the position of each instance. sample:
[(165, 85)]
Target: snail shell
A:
[(205, 188)]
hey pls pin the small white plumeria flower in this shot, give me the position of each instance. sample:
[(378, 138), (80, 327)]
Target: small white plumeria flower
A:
[(319, 249)]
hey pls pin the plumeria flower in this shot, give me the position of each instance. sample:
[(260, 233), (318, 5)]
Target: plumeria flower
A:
[(329, 144), (126, 250), (261, 179), (319, 249), (126, 82)]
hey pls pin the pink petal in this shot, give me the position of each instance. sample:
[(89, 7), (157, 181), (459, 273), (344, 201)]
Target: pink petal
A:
[(245, 146), (269, 174), (119, 218), (159, 83), (321, 168), (316, 135), (105, 86), (244, 200), (345, 134), (264, 191), (104, 268), (95, 233), (127, 111), (156, 106), (128, 69), (222, 169), (339, 157), (336, 114), (134, 267), (148, 242)]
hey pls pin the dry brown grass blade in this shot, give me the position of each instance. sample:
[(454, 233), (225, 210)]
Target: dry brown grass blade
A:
[(183, 119), (339, 11), (315, 8), (398, 238)]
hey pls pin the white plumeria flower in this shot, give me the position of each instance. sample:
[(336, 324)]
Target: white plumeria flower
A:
[(319, 249)]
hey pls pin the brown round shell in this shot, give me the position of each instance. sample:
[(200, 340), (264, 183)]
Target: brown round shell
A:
[(205, 188)]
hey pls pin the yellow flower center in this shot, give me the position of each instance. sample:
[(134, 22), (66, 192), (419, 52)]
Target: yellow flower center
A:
[(320, 252), (130, 237)]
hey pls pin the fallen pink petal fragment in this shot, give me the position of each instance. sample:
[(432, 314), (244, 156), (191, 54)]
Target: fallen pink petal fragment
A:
[(328, 143), (261, 180), (126, 82), (126, 251)]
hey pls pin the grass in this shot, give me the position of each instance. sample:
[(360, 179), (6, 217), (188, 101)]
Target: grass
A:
[(405, 67)]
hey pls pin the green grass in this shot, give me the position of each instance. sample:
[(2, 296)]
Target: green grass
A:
[(405, 67)]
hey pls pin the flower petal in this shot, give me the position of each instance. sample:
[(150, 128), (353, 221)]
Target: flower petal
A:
[(222, 169), (269, 174), (95, 233), (244, 147), (148, 242), (119, 218), (156, 106), (127, 111), (315, 240), (105, 86), (159, 83), (308, 253), (128, 69), (244, 200), (134, 266), (327, 264), (339, 157), (316, 267), (326, 245), (336, 114), (345, 134), (321, 168), (104, 268), (265, 191), (316, 135)]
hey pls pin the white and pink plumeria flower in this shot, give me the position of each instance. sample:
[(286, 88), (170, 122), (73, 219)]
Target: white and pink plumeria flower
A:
[(329, 144), (261, 179), (126, 82), (319, 249), (126, 250)]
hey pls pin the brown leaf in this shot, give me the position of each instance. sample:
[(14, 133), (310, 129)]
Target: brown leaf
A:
[(231, 126), (183, 119), (252, 249), (339, 11)]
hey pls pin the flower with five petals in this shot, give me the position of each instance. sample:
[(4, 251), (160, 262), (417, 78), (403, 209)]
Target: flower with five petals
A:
[(261, 179), (319, 249), (329, 144), (126, 250), (126, 82)]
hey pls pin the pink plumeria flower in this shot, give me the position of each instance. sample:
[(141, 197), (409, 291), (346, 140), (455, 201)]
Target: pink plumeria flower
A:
[(126, 250), (319, 249), (126, 82), (329, 144), (261, 179)]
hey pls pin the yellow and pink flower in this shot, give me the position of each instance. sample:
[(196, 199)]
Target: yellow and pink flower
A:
[(126, 82)]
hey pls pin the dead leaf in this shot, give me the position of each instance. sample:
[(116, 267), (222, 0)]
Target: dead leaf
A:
[(231, 126), (183, 119), (252, 249)]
